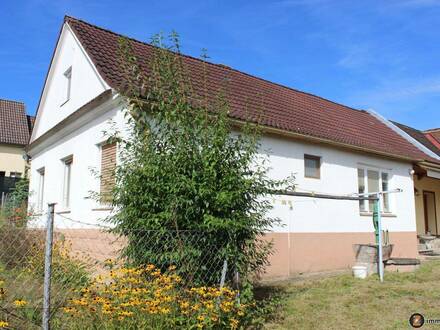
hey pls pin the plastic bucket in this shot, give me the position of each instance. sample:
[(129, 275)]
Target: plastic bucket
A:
[(360, 271)]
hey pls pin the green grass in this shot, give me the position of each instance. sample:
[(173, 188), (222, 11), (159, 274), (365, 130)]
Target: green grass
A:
[(343, 302)]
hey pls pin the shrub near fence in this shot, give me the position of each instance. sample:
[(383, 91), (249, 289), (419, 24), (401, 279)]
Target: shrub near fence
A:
[(7, 185), (96, 284)]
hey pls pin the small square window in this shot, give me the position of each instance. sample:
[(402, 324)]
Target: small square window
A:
[(312, 166)]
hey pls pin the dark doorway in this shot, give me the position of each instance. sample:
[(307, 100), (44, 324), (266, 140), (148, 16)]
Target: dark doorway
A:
[(430, 211)]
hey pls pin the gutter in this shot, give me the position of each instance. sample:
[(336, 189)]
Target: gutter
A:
[(293, 135)]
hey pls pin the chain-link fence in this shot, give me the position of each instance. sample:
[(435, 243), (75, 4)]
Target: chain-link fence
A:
[(102, 279)]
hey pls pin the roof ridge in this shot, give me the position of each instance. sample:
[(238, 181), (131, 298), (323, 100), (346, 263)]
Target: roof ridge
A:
[(223, 66)]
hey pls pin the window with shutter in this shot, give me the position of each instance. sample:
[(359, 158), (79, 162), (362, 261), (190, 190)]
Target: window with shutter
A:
[(108, 165)]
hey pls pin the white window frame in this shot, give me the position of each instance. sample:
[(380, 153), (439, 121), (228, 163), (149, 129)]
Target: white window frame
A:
[(67, 181), (40, 195), (68, 84), (99, 163), (314, 158), (380, 172)]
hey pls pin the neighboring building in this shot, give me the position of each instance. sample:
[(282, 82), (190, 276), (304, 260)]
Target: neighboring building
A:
[(426, 179), (330, 147), (15, 128)]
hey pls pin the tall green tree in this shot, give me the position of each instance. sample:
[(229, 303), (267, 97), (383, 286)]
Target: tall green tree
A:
[(189, 189)]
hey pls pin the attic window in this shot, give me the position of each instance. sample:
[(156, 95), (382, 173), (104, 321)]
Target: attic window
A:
[(312, 166), (67, 83)]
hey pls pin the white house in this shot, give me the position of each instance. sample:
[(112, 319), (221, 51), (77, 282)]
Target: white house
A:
[(332, 149)]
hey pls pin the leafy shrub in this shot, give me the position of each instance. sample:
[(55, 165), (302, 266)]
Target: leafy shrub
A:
[(15, 210), (182, 168)]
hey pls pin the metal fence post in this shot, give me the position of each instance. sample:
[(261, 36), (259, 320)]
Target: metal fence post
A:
[(48, 267), (223, 276)]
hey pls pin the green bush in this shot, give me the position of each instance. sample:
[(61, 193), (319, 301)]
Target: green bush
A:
[(184, 169)]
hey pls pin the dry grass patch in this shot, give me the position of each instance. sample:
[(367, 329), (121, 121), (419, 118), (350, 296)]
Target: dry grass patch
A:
[(343, 302)]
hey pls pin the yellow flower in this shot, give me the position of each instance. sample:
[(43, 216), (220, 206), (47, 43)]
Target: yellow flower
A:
[(3, 324), (20, 303), (69, 310), (165, 310), (126, 313), (195, 307), (209, 305), (80, 302), (233, 323)]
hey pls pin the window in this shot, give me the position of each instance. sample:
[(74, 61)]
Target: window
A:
[(67, 181), (108, 165), (372, 181), (68, 84), (373, 185), (312, 166), (386, 197), (361, 188), (40, 193), (15, 175)]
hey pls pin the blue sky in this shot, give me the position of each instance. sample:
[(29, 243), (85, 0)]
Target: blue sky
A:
[(380, 55)]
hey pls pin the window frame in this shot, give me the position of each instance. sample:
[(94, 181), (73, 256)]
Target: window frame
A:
[(104, 199), (313, 158), (40, 195), (366, 209), (68, 84), (67, 181)]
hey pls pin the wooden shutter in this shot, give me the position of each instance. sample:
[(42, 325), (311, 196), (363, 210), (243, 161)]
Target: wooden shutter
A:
[(108, 166)]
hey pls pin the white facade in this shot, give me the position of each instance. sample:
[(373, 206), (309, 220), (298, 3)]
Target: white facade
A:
[(339, 176), (85, 83), (81, 140)]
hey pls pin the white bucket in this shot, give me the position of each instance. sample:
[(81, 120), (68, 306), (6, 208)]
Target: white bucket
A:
[(360, 271)]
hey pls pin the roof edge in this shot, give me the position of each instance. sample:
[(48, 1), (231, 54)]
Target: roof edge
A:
[(405, 135), (313, 139), (92, 104)]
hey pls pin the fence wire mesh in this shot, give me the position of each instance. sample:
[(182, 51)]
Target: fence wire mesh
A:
[(134, 277)]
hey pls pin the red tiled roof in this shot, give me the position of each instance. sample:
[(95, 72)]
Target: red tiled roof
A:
[(250, 97), (434, 139), (14, 127)]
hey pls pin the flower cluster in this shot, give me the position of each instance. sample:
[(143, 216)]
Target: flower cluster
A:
[(149, 298)]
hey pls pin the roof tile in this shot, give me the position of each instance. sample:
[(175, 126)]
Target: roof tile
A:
[(14, 127)]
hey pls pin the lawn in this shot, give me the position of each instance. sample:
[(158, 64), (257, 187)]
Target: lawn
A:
[(343, 302)]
